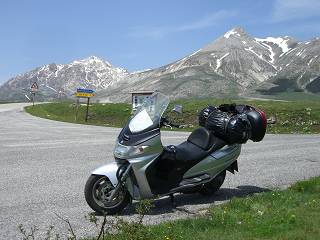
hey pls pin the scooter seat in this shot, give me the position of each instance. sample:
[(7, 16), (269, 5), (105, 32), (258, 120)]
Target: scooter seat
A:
[(188, 153), (202, 138), (200, 144)]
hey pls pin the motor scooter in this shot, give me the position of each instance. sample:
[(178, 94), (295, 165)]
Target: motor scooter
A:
[(145, 169)]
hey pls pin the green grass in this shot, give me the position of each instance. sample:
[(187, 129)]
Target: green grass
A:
[(292, 117), (290, 214), (115, 115)]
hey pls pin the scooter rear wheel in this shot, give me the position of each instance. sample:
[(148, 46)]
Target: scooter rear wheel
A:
[(214, 185), (97, 193)]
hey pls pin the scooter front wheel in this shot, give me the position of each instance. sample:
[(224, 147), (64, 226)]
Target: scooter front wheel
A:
[(97, 192)]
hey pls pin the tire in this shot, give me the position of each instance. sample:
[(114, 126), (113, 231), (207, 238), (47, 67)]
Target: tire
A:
[(97, 189), (214, 185)]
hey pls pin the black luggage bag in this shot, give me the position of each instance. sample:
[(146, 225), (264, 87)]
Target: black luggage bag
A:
[(234, 123)]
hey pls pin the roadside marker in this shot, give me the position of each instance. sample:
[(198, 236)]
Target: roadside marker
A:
[(84, 93)]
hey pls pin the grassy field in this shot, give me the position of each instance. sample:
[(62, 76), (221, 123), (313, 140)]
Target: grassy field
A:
[(288, 214), (99, 114), (291, 117)]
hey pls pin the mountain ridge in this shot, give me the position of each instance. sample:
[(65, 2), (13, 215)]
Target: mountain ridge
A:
[(233, 64)]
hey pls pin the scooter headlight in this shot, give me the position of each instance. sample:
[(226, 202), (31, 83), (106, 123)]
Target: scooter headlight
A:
[(121, 151), (124, 152)]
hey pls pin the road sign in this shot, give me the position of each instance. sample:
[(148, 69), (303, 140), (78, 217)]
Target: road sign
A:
[(85, 93), (85, 90), (34, 87)]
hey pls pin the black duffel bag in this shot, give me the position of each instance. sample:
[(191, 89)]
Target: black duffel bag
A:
[(234, 123), (256, 117), (227, 125)]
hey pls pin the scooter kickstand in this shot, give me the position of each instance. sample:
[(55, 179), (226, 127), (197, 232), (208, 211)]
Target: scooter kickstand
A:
[(174, 204)]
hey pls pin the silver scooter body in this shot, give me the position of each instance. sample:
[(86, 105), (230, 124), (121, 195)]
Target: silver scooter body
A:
[(141, 156)]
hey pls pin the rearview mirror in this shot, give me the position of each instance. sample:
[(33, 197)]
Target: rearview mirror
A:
[(177, 109)]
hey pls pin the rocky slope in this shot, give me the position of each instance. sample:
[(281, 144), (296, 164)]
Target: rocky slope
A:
[(299, 70)]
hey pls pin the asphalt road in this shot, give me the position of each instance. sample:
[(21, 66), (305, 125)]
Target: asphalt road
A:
[(44, 166)]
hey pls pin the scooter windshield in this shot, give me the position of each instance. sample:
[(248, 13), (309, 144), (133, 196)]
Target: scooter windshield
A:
[(149, 113)]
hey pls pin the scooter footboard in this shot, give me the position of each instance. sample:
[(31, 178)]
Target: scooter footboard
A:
[(108, 170)]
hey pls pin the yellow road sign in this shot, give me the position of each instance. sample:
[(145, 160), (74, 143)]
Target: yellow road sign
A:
[(85, 95)]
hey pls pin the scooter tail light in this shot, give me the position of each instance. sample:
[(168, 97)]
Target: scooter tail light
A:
[(264, 117)]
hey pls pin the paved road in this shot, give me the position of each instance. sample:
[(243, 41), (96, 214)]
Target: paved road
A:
[(44, 165)]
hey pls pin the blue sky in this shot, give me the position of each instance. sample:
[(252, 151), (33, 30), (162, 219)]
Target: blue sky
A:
[(137, 34)]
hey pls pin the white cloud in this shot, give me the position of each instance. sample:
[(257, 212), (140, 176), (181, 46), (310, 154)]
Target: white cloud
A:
[(205, 22), (285, 10)]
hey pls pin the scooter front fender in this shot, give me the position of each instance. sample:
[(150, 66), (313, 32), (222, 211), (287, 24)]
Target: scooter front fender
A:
[(110, 171)]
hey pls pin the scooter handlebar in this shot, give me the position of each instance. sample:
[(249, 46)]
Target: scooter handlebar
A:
[(166, 122), (175, 125)]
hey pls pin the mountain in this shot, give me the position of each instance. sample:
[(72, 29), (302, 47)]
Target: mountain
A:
[(227, 66), (58, 80), (235, 64)]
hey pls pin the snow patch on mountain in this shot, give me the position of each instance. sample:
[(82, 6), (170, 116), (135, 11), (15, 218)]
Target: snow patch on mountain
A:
[(141, 71), (92, 60), (195, 53), (300, 52), (231, 32), (51, 88), (182, 63), (272, 54), (310, 61), (59, 67), (250, 50), (219, 60), (279, 41)]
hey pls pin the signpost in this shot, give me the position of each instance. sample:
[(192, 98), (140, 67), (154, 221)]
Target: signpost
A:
[(34, 89), (85, 93)]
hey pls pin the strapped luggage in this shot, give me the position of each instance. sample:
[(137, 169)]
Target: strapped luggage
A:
[(234, 123)]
